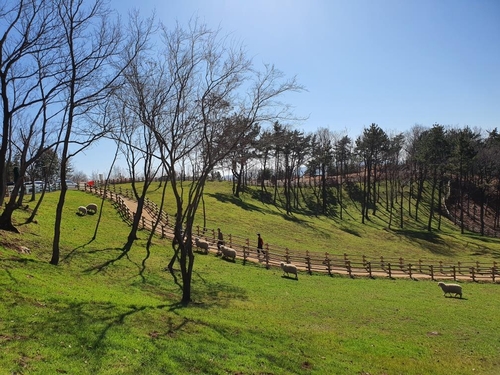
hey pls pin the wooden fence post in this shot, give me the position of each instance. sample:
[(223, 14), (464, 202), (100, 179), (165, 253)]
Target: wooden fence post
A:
[(287, 255), (409, 271), (454, 273), (245, 254), (401, 263), (389, 270), (369, 268), (230, 240), (493, 274), (266, 255), (431, 267), (473, 274), (382, 263), (349, 269), (441, 266), (420, 265), (459, 267), (328, 264), (162, 231)]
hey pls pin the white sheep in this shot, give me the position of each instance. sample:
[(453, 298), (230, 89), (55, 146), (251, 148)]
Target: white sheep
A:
[(451, 289), (82, 210), (289, 268), (92, 208), (228, 252), (202, 244)]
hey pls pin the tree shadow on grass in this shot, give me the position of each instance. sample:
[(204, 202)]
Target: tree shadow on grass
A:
[(93, 324), (293, 219), (209, 294), (351, 231), (483, 248), (225, 198), (430, 241), (70, 255), (102, 266)]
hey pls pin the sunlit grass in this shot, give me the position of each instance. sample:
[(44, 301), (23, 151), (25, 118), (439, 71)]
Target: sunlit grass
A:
[(78, 318)]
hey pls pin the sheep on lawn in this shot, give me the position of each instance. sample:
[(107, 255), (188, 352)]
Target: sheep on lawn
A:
[(451, 289), (92, 208), (289, 268), (82, 211), (201, 244), (228, 252)]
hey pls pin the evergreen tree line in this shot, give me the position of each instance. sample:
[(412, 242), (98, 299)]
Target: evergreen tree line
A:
[(314, 172)]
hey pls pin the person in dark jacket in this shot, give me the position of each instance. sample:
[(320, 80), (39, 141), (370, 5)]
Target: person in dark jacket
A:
[(260, 244)]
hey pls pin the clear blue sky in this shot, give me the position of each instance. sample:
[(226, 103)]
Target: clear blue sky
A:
[(396, 63)]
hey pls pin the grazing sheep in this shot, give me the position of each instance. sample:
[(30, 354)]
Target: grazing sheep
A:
[(92, 208), (289, 268), (82, 211), (201, 244), (228, 252), (451, 289)]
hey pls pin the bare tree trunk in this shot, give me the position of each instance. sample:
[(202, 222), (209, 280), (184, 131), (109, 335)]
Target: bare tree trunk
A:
[(37, 206), (6, 217), (239, 178), (401, 216), (431, 206), (440, 203)]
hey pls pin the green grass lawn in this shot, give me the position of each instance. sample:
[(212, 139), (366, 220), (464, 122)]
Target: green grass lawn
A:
[(82, 318)]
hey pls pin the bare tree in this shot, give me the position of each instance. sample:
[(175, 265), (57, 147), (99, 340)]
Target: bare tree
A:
[(139, 103), (204, 88), (92, 62), (28, 87), (138, 144)]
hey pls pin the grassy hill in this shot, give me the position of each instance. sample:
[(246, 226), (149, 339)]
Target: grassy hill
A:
[(243, 217), (99, 312)]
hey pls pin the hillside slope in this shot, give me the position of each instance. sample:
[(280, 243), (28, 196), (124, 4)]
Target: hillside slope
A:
[(243, 217)]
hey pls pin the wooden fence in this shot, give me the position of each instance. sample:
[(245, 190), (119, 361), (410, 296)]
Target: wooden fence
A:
[(311, 262)]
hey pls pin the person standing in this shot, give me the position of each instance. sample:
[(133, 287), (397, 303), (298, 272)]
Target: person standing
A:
[(220, 239), (260, 244)]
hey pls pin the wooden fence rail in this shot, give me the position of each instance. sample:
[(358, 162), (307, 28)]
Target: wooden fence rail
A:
[(312, 262)]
